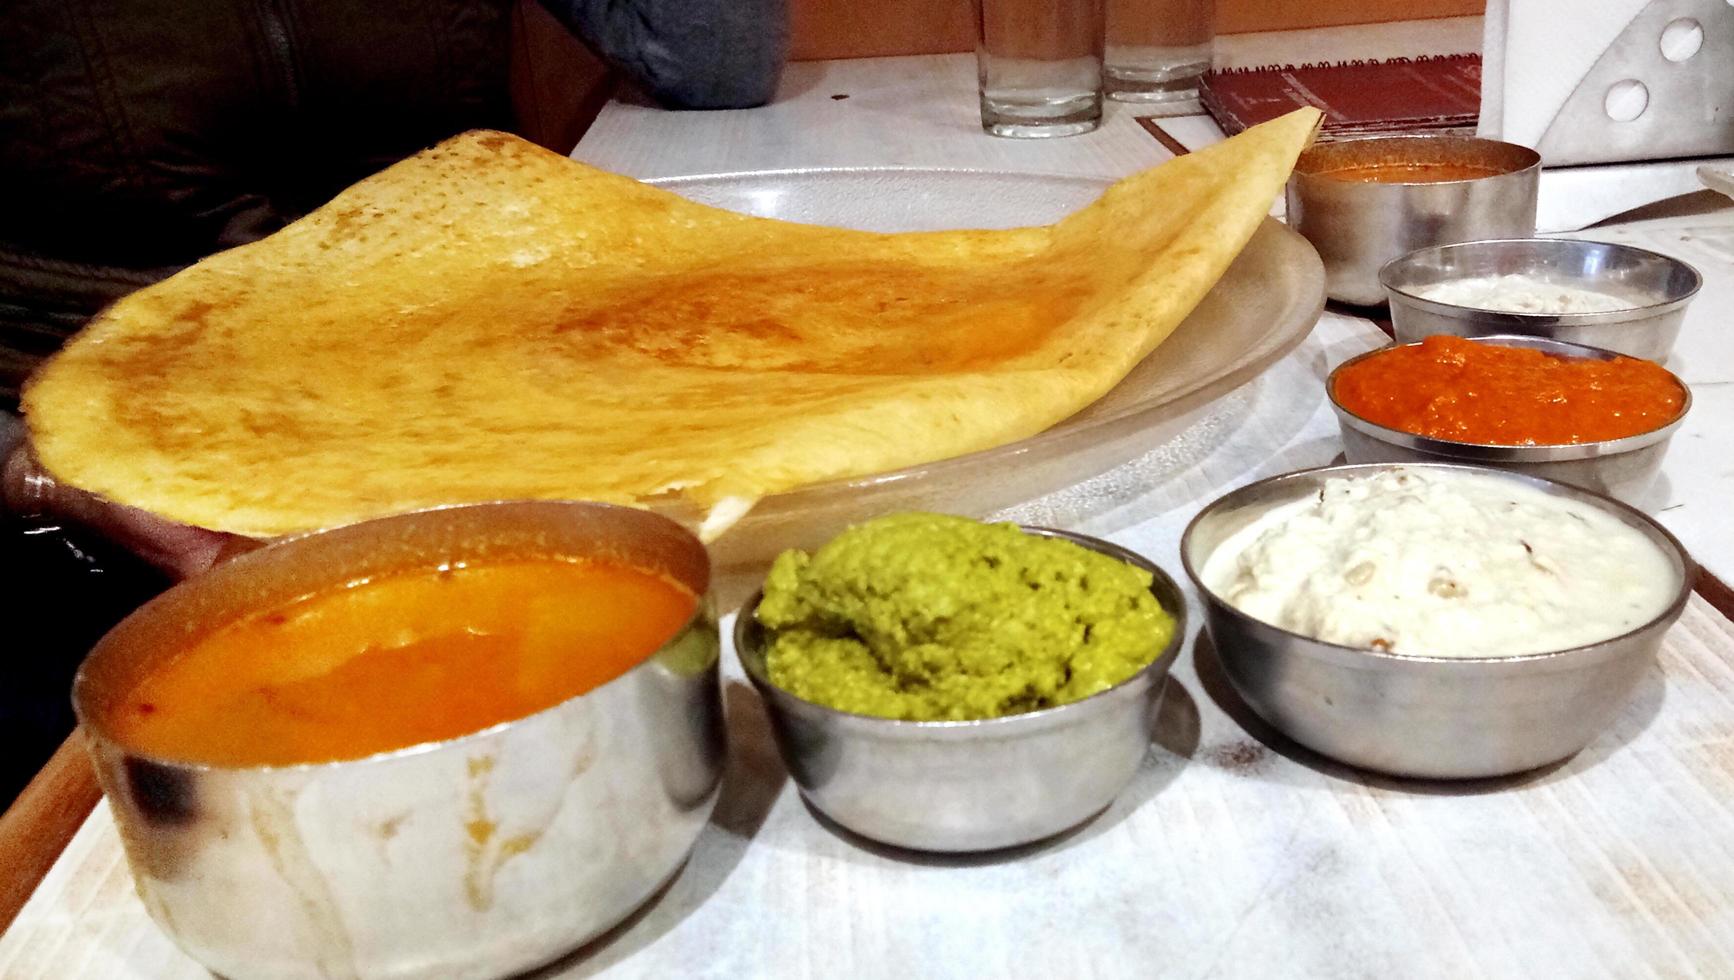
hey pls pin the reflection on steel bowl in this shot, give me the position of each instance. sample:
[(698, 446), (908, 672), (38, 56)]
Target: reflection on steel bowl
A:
[(1429, 715), (1653, 291), (1363, 202), (1624, 468), (477, 855), (969, 785)]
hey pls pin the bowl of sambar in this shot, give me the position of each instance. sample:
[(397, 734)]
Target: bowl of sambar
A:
[(455, 743), (1362, 202)]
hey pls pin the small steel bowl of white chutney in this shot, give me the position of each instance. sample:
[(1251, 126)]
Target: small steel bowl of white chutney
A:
[(962, 786), (1623, 468), (1617, 297), (1438, 717)]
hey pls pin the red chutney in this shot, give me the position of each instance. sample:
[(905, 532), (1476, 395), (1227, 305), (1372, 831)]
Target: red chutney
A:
[(1463, 391)]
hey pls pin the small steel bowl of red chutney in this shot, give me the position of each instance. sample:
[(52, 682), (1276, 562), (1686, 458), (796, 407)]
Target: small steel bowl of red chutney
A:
[(1580, 415)]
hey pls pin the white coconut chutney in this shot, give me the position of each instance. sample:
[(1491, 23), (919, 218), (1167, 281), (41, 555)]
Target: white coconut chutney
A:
[(1444, 564), (1520, 294)]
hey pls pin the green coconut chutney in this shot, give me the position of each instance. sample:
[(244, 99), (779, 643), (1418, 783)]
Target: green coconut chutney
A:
[(928, 617)]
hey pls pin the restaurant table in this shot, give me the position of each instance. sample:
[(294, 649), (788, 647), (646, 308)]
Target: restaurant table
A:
[(1235, 852)]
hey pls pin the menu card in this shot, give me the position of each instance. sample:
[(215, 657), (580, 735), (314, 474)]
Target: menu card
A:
[(1358, 98)]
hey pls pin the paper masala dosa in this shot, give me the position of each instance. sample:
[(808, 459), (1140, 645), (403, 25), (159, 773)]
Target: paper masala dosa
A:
[(491, 320)]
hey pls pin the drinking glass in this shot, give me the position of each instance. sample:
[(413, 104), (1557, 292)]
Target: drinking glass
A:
[(1040, 66), (1157, 50)]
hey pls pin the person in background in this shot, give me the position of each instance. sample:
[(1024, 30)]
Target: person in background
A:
[(138, 136)]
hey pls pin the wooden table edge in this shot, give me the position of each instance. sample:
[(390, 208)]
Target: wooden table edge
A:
[(36, 828)]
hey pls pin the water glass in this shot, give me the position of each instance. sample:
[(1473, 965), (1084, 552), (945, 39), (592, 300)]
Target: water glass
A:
[(1157, 50), (1040, 66)]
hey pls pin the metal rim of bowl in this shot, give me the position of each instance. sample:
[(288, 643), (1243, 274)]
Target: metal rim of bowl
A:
[(751, 658), (1532, 159), (1489, 452), (1688, 568), (268, 551), (1389, 269)]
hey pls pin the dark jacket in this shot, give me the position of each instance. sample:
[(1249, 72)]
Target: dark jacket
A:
[(137, 136)]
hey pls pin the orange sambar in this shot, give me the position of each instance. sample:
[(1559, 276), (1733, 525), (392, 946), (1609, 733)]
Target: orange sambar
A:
[(1463, 391), (1399, 172), (399, 660)]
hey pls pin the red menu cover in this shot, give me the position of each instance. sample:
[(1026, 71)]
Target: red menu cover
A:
[(1358, 98)]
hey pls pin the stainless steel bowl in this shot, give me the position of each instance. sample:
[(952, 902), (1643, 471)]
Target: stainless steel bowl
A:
[(480, 856), (1358, 225), (1657, 286), (1436, 717), (1623, 469), (969, 785)]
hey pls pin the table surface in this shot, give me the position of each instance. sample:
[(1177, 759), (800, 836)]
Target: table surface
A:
[(1235, 852)]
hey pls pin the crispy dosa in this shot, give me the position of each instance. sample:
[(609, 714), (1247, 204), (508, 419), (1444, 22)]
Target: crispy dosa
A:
[(490, 320)]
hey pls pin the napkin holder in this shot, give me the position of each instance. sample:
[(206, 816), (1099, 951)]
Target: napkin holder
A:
[(1654, 94)]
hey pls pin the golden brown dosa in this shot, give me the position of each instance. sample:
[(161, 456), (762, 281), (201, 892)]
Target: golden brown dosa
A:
[(490, 320)]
